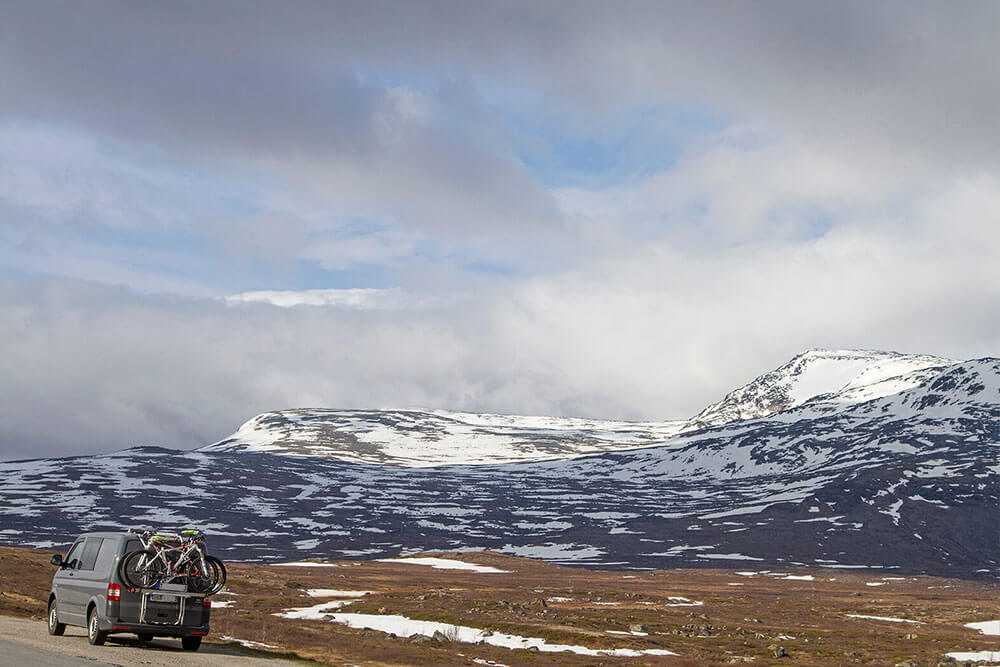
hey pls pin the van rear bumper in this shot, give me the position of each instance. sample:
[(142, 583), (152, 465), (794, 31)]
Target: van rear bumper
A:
[(159, 629)]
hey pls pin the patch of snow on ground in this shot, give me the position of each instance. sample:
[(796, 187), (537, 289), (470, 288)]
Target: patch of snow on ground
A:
[(246, 642), (803, 577), (316, 612), (333, 593), (986, 627), (407, 627), (306, 564), (678, 601), (975, 656), (727, 557), (556, 552), (445, 564), (222, 604), (884, 618)]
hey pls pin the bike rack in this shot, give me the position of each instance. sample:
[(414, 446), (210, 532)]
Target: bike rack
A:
[(182, 600)]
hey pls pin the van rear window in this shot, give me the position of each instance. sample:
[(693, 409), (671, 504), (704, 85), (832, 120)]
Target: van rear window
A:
[(132, 545), (90, 549)]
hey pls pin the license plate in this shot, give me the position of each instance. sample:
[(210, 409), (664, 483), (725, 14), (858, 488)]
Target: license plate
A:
[(159, 597)]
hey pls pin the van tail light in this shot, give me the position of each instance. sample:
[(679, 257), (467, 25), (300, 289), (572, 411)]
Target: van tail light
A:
[(205, 602), (114, 592)]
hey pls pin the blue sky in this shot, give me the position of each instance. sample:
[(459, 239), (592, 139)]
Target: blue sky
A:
[(566, 208)]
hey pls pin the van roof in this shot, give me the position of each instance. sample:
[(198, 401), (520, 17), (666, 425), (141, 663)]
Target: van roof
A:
[(105, 534)]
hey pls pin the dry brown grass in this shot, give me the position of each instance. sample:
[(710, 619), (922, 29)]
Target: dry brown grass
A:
[(807, 619)]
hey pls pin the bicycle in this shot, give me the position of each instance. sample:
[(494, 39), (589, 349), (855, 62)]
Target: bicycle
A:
[(169, 556)]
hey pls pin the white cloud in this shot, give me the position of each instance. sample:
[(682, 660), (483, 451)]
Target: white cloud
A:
[(358, 298), (657, 333)]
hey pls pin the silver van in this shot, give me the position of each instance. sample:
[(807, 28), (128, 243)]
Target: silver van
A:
[(86, 591)]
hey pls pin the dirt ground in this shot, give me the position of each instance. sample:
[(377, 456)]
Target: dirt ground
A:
[(766, 619)]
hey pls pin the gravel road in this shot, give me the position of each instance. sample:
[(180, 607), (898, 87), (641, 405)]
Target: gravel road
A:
[(25, 642)]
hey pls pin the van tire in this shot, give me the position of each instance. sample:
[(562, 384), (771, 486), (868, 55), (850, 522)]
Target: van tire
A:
[(95, 636), (55, 627), (191, 643)]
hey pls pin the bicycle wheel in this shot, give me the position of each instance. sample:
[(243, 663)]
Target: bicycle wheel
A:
[(200, 576), (218, 574), (141, 569)]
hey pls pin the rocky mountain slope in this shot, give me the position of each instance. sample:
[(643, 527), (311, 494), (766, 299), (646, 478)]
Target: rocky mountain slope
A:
[(427, 438), (901, 472)]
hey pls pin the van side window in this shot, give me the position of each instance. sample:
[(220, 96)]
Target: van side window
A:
[(106, 555), (130, 546), (90, 549), (72, 559)]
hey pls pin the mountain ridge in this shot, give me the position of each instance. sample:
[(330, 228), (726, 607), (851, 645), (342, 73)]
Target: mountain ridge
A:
[(906, 481), (418, 437)]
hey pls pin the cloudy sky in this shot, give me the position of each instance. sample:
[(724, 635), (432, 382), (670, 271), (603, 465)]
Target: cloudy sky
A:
[(599, 209)]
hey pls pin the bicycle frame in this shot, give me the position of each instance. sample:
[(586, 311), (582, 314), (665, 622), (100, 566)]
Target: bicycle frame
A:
[(174, 552)]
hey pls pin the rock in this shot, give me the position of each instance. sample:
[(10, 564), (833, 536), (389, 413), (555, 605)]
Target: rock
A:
[(439, 636), (906, 663), (636, 627), (910, 635), (487, 633), (777, 651)]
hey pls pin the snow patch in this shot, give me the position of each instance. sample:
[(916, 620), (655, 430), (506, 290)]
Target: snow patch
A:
[(403, 626), (986, 627), (445, 564), (891, 619), (333, 593)]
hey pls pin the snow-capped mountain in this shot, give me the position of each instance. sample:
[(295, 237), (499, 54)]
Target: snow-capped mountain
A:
[(418, 438), (842, 376), (437, 437), (896, 470)]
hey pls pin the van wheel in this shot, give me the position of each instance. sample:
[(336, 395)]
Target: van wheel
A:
[(55, 627), (191, 643), (95, 636), (144, 636)]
